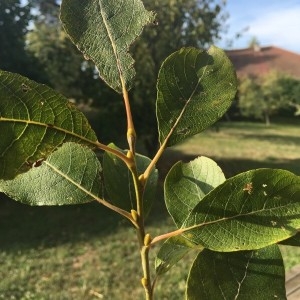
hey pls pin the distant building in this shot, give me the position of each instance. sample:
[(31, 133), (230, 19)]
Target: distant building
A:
[(257, 61)]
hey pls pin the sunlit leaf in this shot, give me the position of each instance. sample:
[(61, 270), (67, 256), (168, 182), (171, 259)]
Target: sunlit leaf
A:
[(187, 183), (249, 211), (119, 183), (185, 186), (244, 275), (71, 175), (103, 31), (194, 89), (292, 241), (34, 121)]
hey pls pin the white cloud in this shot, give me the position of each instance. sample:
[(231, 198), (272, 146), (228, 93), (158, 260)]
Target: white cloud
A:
[(278, 28)]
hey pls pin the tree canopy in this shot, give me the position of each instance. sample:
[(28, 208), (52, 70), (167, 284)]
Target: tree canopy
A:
[(14, 57), (178, 23), (43, 48), (265, 96)]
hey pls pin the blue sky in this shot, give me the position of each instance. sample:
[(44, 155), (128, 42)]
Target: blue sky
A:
[(272, 22)]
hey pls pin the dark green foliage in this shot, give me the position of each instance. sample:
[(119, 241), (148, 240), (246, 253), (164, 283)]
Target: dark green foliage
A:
[(244, 275), (119, 185), (47, 151), (14, 21), (265, 97), (178, 24), (185, 106), (38, 119), (71, 175)]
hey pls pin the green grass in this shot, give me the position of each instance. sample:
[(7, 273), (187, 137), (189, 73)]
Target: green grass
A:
[(87, 252), (243, 146), (83, 252)]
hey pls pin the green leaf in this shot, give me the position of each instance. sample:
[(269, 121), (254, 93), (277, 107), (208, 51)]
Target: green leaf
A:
[(187, 183), (249, 211), (292, 241), (244, 275), (70, 175), (119, 183), (194, 90), (172, 251), (34, 121), (103, 31)]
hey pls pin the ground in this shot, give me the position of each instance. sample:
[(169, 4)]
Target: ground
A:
[(86, 252)]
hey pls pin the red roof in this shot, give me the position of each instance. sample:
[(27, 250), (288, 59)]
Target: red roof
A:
[(258, 61)]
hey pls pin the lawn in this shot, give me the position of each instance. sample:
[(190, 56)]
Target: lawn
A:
[(240, 146), (87, 252)]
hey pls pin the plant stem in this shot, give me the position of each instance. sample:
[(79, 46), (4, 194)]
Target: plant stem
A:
[(144, 240), (159, 152), (146, 280), (117, 153), (155, 160), (167, 235), (131, 134), (116, 209), (165, 142)]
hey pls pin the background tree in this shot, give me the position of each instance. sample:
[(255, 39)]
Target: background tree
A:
[(14, 57), (178, 23), (263, 97), (291, 92), (50, 45), (70, 73), (254, 43)]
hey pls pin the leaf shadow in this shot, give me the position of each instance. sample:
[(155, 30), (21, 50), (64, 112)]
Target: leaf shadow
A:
[(230, 166), (28, 227), (238, 260), (23, 226), (274, 138)]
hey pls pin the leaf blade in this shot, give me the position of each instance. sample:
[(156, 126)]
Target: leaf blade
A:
[(194, 89), (249, 211), (34, 121), (241, 275), (119, 183), (187, 183), (70, 175), (171, 252), (292, 241), (108, 48)]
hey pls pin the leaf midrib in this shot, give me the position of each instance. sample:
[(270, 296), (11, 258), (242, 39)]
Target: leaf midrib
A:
[(89, 193), (49, 126), (184, 229), (113, 45), (186, 104), (240, 283), (69, 179)]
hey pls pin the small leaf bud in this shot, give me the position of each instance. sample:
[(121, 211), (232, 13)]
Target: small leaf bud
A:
[(147, 239), (142, 179), (134, 215), (129, 154), (144, 282)]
